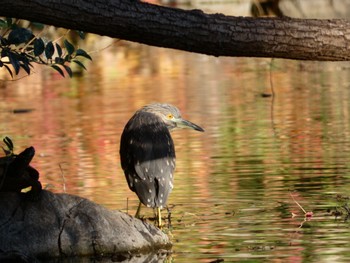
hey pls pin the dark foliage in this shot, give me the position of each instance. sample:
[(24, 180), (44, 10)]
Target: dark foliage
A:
[(16, 173), (20, 48)]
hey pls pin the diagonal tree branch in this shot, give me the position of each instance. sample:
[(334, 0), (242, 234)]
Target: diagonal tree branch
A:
[(192, 30)]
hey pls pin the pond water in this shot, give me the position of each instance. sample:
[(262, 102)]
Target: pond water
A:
[(238, 186)]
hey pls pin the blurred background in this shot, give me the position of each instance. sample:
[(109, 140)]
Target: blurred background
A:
[(236, 183)]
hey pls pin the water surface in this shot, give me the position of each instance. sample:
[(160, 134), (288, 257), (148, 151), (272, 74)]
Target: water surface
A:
[(233, 184)]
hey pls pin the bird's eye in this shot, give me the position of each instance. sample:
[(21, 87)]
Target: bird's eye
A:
[(170, 116)]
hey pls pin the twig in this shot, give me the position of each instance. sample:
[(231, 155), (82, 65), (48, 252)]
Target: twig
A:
[(64, 180), (106, 47), (298, 204)]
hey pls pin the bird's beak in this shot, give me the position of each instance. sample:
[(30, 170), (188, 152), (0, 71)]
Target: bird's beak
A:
[(181, 123)]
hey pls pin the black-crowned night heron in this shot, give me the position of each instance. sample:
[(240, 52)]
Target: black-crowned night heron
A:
[(147, 153)]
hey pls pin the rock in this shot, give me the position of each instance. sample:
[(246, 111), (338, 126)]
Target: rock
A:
[(63, 225)]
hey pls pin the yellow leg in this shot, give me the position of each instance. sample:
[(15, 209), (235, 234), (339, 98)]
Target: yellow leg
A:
[(137, 215), (159, 217)]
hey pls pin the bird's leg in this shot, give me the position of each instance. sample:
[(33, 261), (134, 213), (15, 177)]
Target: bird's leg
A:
[(159, 217), (137, 215)]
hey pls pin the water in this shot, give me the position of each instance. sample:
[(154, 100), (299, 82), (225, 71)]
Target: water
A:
[(238, 184)]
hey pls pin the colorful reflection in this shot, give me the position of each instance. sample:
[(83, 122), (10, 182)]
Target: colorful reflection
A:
[(233, 184)]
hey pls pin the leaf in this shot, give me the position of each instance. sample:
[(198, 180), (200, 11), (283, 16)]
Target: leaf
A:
[(39, 47), (3, 23), (82, 53), (4, 52), (14, 62), (49, 50), (79, 63), (59, 50), (3, 41), (37, 25), (69, 47), (59, 60), (26, 67), (8, 143), (9, 70), (20, 35), (81, 34), (22, 57), (9, 21), (68, 58), (69, 70), (7, 152), (58, 69)]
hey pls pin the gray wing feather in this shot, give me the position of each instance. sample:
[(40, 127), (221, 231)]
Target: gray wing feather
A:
[(148, 159)]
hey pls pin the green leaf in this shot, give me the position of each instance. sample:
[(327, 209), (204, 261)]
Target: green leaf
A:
[(3, 23), (39, 47), (49, 50), (58, 69), (81, 34), (69, 47), (38, 26), (69, 70), (20, 35), (59, 50), (79, 63), (82, 53), (9, 21)]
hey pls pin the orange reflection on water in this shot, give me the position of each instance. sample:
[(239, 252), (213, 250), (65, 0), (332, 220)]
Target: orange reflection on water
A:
[(232, 183)]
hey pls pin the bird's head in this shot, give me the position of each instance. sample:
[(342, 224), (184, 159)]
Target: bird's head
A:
[(171, 116)]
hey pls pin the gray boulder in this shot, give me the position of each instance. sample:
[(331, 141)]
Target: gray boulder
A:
[(65, 226)]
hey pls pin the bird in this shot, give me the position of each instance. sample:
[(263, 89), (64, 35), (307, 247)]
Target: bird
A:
[(147, 154)]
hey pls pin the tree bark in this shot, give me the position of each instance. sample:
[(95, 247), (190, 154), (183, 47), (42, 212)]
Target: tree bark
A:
[(192, 30)]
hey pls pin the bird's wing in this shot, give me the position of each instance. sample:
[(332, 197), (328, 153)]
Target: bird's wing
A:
[(149, 159)]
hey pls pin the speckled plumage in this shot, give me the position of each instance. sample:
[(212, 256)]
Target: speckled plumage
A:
[(147, 152)]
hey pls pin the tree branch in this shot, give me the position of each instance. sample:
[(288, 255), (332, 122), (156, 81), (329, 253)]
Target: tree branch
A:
[(192, 30)]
